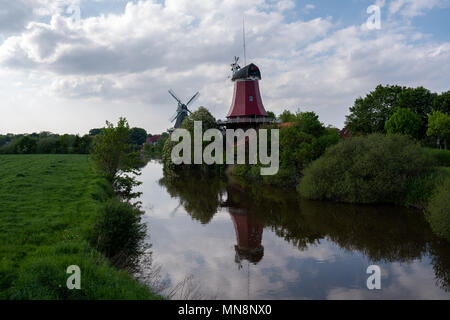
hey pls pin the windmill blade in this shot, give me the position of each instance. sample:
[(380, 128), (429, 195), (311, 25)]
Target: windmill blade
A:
[(193, 98), (172, 118), (175, 96)]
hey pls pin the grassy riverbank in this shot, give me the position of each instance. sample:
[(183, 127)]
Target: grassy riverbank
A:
[(47, 210)]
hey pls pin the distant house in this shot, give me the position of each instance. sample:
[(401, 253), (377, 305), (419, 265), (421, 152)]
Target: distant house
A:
[(153, 139), (285, 124), (345, 133)]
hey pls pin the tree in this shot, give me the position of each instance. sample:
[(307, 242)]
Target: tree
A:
[(439, 126), (94, 132), (2, 140), (26, 145), (404, 121), (81, 145), (114, 157), (63, 144), (309, 123), (208, 122), (442, 102), (138, 136), (420, 101), (369, 114), (287, 116), (271, 115)]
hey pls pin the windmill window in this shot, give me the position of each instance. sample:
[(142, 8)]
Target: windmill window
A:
[(250, 98)]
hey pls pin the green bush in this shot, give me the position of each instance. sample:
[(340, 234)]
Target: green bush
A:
[(369, 169), (208, 122), (440, 156), (118, 233), (303, 141), (438, 211)]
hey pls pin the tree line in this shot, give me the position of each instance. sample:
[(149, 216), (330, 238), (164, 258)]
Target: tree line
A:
[(416, 112), (51, 143)]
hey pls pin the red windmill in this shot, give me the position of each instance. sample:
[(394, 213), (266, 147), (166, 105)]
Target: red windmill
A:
[(247, 109)]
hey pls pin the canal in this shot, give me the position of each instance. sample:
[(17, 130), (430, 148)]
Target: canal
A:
[(253, 242)]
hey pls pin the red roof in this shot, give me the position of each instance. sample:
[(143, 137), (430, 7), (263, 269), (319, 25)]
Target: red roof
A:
[(285, 124), (345, 133), (246, 100), (153, 139)]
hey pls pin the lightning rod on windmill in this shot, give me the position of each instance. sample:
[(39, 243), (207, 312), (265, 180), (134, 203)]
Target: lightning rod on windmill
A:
[(243, 35)]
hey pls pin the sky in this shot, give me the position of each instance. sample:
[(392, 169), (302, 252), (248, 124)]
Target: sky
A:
[(67, 66)]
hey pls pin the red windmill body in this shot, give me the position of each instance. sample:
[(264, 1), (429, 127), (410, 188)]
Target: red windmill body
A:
[(247, 109)]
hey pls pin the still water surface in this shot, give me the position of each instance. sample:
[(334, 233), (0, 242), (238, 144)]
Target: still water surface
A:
[(264, 243)]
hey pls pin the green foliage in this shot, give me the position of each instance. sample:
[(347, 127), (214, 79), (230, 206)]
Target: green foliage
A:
[(3, 140), (369, 114), (47, 209), (271, 115), (439, 210), (208, 122), (300, 143), (442, 102), (115, 159), (404, 121), (94, 132), (419, 100), (155, 151), (420, 189), (26, 145), (82, 145), (441, 157), (138, 136), (287, 116), (201, 114), (439, 126), (370, 169), (118, 232), (47, 145), (44, 143)]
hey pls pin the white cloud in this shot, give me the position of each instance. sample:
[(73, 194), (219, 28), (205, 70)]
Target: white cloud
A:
[(413, 8)]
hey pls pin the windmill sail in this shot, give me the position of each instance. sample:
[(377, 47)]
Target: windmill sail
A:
[(175, 96), (193, 99), (182, 109)]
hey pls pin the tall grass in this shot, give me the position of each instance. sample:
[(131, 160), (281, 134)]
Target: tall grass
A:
[(438, 211), (440, 156), (48, 208)]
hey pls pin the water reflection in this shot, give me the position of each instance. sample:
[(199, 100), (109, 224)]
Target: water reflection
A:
[(248, 227), (293, 248)]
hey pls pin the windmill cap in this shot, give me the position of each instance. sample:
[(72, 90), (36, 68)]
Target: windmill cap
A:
[(250, 71)]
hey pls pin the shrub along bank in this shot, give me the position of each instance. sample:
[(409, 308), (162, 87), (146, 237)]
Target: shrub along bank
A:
[(377, 169), (369, 169)]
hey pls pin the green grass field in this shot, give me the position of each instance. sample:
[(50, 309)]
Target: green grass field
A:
[(47, 207)]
